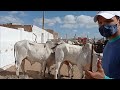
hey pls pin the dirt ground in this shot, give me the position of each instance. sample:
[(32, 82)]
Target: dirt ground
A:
[(32, 72)]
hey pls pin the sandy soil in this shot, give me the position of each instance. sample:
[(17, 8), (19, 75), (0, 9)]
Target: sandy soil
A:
[(32, 72)]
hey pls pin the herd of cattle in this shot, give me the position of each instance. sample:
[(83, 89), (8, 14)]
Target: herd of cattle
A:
[(55, 54)]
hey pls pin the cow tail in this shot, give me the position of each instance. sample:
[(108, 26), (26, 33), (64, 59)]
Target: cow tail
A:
[(14, 54)]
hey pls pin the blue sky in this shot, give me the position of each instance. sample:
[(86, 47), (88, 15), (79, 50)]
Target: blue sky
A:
[(64, 22)]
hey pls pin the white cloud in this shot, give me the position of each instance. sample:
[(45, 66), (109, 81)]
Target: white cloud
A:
[(71, 22), (69, 19), (49, 22), (83, 19), (37, 21), (86, 21), (10, 19), (69, 26), (74, 30), (13, 12), (20, 13), (57, 19)]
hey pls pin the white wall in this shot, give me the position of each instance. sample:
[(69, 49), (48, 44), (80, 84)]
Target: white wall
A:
[(9, 36)]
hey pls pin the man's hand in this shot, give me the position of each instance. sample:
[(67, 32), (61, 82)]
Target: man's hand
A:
[(99, 74)]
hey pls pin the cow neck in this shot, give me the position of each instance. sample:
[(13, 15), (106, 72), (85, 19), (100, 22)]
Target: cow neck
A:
[(48, 50)]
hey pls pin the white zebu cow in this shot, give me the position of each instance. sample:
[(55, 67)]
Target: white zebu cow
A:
[(33, 52), (76, 55), (51, 62)]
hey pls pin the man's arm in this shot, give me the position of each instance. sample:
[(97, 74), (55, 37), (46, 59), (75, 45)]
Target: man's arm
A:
[(99, 74)]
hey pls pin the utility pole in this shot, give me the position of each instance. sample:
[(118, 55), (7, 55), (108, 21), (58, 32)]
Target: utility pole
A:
[(42, 35), (43, 21), (66, 37), (75, 37), (91, 63)]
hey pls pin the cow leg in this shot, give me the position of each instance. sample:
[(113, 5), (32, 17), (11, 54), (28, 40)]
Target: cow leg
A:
[(17, 69), (59, 76), (57, 66), (23, 66), (70, 70), (17, 64), (49, 71), (45, 69), (42, 71), (81, 72)]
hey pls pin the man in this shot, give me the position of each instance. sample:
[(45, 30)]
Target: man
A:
[(109, 27)]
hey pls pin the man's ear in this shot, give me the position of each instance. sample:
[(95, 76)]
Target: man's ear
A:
[(119, 23), (118, 18)]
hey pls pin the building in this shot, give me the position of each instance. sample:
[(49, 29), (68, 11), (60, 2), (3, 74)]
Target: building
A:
[(25, 27), (55, 34), (30, 28)]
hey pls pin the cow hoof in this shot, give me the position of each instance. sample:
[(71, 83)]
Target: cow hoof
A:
[(26, 77), (72, 77), (49, 73), (59, 77), (18, 77)]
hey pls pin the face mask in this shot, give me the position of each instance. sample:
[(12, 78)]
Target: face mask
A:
[(108, 30)]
